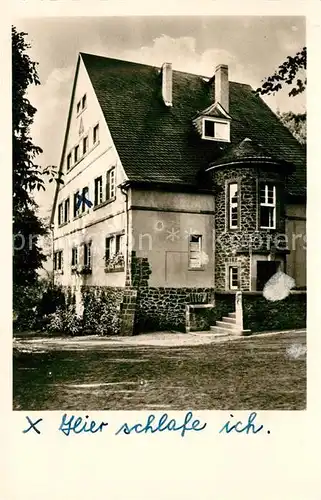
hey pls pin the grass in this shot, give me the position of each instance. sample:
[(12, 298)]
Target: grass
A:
[(251, 374)]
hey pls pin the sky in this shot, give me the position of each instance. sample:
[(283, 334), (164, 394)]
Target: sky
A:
[(253, 47)]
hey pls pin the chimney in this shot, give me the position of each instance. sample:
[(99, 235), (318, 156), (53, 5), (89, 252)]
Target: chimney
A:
[(221, 86), (167, 83)]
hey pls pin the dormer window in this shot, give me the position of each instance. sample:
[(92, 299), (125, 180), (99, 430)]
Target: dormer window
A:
[(216, 130)]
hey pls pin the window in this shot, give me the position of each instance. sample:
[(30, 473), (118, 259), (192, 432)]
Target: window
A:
[(98, 191), (195, 250), (78, 107), (216, 130), (96, 133), (110, 184), (58, 261), (74, 256), (83, 102), (119, 243), (76, 204), (222, 131), (87, 254), (267, 205), (76, 153), (209, 128), (60, 214), (233, 205), (84, 145), (84, 198), (69, 161), (108, 248), (66, 210), (233, 277)]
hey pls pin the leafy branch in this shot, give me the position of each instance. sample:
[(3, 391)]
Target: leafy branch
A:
[(288, 73)]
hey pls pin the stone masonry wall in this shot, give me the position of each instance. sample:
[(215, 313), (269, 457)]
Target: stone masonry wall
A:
[(232, 246), (165, 308)]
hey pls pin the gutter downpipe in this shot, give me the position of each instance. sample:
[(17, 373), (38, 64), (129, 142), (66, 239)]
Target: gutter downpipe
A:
[(214, 248), (124, 189), (52, 253)]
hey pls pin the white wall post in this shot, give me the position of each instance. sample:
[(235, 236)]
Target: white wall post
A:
[(239, 311)]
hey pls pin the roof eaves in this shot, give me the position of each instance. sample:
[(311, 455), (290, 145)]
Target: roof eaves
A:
[(65, 140)]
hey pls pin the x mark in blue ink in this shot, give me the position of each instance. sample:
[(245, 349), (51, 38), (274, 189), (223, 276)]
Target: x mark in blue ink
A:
[(33, 425), (82, 199)]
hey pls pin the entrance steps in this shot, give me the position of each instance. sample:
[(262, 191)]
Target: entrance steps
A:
[(227, 326)]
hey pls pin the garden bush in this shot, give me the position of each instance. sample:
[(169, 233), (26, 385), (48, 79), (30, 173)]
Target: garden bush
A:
[(32, 305)]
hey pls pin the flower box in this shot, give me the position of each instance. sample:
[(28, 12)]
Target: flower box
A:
[(115, 264)]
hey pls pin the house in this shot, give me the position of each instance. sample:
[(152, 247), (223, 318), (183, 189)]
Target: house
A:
[(179, 191)]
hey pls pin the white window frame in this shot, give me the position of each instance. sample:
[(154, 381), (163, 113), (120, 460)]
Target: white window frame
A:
[(216, 138), (96, 128), (230, 277), (191, 265), (84, 205), (233, 205), (84, 102), (67, 212), (74, 252), (69, 161), (111, 184), (119, 243), (111, 247), (76, 196), (89, 260), (267, 204), (60, 213), (99, 191), (58, 259), (77, 148), (85, 141)]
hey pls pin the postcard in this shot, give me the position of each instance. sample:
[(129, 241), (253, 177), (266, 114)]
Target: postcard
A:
[(157, 325)]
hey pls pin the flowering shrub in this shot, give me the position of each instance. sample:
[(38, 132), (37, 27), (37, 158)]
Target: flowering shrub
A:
[(65, 321), (101, 311)]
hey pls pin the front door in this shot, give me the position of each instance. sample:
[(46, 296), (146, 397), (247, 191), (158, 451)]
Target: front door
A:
[(265, 270)]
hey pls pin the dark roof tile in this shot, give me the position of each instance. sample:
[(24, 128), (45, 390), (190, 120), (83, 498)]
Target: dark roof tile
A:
[(160, 144)]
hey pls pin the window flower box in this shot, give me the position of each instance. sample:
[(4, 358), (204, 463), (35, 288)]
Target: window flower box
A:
[(85, 270), (115, 264)]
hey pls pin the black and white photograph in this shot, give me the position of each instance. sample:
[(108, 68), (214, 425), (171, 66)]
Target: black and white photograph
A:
[(159, 213)]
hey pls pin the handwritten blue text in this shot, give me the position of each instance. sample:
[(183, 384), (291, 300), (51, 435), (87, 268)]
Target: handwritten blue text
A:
[(163, 424)]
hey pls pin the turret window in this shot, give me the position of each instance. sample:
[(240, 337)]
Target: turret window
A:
[(267, 205), (233, 206)]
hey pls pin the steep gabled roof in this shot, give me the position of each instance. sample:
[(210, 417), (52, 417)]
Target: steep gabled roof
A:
[(160, 144)]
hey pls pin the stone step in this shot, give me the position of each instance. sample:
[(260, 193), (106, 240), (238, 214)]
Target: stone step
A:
[(229, 320), (232, 315), (220, 331), (227, 326)]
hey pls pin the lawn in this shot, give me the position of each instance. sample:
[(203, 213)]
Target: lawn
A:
[(255, 373)]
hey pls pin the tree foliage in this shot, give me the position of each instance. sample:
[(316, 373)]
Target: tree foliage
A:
[(27, 174), (289, 73), (296, 123)]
